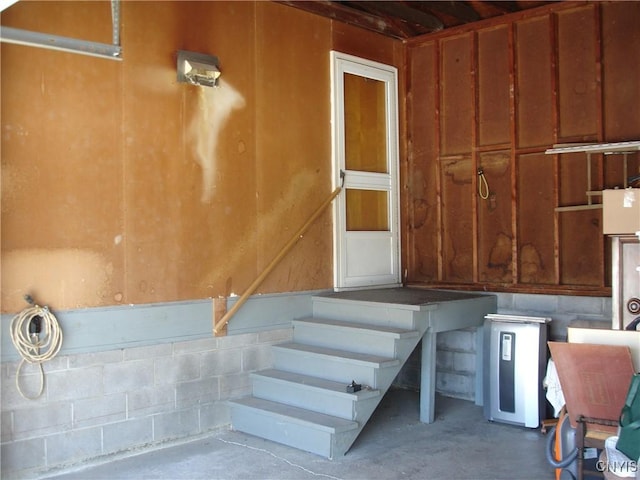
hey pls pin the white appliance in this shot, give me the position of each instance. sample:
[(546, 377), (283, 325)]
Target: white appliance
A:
[(515, 360)]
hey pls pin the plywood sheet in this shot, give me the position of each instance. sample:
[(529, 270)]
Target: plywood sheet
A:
[(62, 205), (494, 92), (594, 378), (582, 256), (536, 203), (456, 90), (421, 194), (457, 221), (621, 43), (495, 237), (578, 75), (534, 83), (293, 145)]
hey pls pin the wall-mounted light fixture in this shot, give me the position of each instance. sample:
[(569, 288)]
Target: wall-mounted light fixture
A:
[(198, 69)]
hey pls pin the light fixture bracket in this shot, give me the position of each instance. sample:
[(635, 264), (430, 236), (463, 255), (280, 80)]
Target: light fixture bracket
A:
[(198, 69)]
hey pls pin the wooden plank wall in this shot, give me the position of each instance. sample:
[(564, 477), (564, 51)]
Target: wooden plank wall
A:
[(495, 96)]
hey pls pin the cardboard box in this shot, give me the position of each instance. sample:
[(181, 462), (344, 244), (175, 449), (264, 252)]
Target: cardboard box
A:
[(621, 211)]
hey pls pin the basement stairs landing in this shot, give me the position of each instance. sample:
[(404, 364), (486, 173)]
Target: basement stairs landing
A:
[(364, 336)]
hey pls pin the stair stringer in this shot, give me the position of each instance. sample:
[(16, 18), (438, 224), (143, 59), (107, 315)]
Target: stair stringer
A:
[(363, 412), (362, 315)]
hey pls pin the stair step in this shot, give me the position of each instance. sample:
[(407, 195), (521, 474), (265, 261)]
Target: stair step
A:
[(294, 415), (333, 364), (364, 359), (357, 337), (369, 329), (365, 312), (296, 427), (312, 393), (318, 385)]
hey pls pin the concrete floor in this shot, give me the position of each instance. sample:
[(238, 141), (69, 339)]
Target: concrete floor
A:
[(461, 444)]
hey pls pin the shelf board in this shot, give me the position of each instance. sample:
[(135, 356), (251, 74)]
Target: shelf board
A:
[(606, 148)]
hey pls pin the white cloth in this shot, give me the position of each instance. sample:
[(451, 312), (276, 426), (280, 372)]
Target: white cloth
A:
[(554, 390)]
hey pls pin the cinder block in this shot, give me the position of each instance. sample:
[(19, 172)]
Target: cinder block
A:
[(464, 362), (215, 415), (99, 410), (458, 340), (444, 360), (6, 428), (92, 359), (128, 434), (257, 358), (22, 455), (536, 303), (151, 400), (41, 420), (234, 386), (127, 376), (74, 384), (221, 362), (236, 341), (146, 352), (588, 305), (175, 424), (195, 346), (74, 446), (179, 368), (505, 300), (456, 385), (206, 390), (276, 336), (29, 383)]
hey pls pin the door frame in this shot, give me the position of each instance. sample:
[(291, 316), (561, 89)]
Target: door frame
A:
[(342, 63)]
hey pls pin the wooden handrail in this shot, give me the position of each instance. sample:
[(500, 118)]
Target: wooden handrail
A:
[(256, 283)]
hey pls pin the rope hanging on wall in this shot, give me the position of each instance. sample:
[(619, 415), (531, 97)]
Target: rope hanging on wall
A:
[(37, 336), (483, 186)]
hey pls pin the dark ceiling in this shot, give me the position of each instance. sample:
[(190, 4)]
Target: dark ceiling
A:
[(408, 19)]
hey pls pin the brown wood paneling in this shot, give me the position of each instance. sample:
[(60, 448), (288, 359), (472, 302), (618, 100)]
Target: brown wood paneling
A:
[(293, 144), (534, 86), (457, 220), (422, 232), (574, 178), (159, 191), (456, 95), (494, 220), (493, 86), (614, 170), (62, 205), (577, 74), (581, 248), (621, 77), (366, 44), (535, 212)]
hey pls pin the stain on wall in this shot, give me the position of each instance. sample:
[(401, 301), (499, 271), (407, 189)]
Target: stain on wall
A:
[(215, 106)]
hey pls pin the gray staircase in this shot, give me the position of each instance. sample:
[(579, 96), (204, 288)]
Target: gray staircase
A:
[(303, 400)]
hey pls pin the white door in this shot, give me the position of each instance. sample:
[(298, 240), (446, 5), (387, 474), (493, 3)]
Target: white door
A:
[(365, 162)]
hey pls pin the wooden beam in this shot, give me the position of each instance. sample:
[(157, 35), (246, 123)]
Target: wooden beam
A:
[(462, 11), (404, 12), (344, 14)]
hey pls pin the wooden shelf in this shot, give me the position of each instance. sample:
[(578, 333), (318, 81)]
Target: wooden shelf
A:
[(606, 148), (615, 148)]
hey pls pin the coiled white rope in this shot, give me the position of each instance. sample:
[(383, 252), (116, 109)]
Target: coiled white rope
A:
[(35, 348)]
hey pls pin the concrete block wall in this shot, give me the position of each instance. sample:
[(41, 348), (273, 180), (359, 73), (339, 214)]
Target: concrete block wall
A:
[(112, 402), (457, 356)]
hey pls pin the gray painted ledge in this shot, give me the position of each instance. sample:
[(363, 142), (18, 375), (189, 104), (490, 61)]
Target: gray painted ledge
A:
[(125, 326)]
